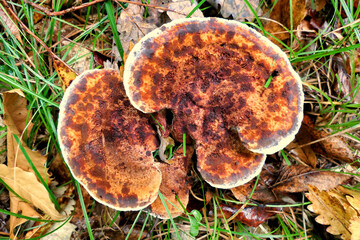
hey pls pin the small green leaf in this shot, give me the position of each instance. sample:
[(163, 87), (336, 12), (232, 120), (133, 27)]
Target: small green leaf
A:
[(194, 226), (196, 214)]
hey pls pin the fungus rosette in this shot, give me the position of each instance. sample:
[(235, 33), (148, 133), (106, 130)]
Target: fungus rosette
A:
[(212, 74), (107, 143)]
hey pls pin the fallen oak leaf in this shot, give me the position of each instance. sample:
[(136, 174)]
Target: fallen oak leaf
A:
[(26, 185), (296, 178), (354, 228), (352, 196), (331, 212), (184, 7)]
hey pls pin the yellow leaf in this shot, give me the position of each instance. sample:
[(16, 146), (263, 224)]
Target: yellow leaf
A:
[(20, 207), (353, 197), (66, 74), (355, 228), (28, 187), (17, 119), (331, 212)]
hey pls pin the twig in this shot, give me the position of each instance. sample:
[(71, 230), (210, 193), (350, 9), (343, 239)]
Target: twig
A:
[(330, 136), (53, 55), (50, 12)]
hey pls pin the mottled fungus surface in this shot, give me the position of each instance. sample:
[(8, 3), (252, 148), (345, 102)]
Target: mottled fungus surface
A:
[(107, 143), (229, 88)]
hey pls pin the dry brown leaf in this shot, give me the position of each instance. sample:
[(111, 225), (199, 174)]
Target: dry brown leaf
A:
[(237, 9), (15, 111), (184, 7), (15, 118), (296, 178), (10, 24), (331, 212), (132, 26), (281, 14), (262, 191), (305, 154), (26, 185), (331, 147), (66, 74), (20, 207), (343, 84)]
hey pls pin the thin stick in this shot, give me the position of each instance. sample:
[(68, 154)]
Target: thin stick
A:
[(54, 56), (333, 135), (50, 12)]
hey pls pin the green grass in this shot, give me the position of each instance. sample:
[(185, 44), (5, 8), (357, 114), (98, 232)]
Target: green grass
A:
[(27, 66)]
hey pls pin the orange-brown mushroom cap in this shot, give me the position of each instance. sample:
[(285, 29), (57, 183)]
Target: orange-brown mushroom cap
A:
[(107, 143), (212, 73)]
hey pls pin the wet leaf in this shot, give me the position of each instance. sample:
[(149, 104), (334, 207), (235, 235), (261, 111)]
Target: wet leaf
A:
[(66, 74), (28, 187), (184, 7), (251, 216), (100, 58), (296, 178), (281, 14)]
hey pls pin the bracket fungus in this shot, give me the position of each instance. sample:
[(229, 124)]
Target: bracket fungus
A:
[(108, 146), (230, 89)]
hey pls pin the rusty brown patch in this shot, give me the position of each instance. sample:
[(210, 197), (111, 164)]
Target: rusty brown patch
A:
[(107, 143), (218, 88)]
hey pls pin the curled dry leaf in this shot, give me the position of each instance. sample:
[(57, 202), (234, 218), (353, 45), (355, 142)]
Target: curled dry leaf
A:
[(184, 7), (333, 210), (305, 154), (331, 146), (296, 178), (26, 185)]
